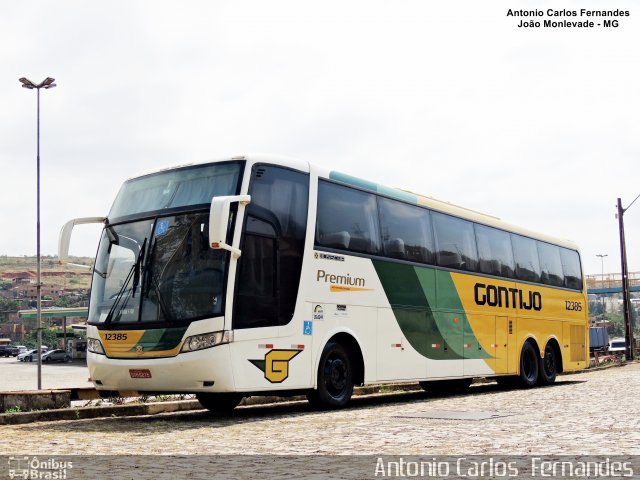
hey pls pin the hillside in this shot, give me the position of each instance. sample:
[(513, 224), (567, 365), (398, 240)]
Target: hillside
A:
[(65, 276)]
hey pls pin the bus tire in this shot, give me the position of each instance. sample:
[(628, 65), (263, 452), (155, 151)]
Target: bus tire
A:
[(335, 378), (219, 402), (548, 366), (529, 365)]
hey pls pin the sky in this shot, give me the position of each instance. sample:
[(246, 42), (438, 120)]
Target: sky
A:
[(538, 126)]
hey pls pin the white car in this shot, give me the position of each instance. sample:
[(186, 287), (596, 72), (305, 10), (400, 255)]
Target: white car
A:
[(617, 346), (57, 355), (29, 355)]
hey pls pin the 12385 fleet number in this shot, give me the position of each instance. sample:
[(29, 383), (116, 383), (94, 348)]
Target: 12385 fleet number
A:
[(573, 306), (115, 336)]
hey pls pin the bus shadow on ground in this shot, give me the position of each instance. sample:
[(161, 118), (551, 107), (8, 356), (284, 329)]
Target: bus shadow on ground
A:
[(257, 413)]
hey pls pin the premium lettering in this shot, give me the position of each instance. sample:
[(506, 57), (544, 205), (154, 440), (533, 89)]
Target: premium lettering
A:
[(322, 276)]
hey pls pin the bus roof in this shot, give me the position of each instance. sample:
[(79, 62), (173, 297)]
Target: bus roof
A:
[(447, 207), (397, 193)]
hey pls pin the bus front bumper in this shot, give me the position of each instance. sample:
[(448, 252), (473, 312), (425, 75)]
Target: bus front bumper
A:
[(206, 370)]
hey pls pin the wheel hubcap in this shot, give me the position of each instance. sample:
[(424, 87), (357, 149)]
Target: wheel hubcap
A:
[(549, 362), (528, 365), (335, 375)]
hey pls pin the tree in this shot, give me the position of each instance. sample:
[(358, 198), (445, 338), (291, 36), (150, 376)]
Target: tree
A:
[(49, 338)]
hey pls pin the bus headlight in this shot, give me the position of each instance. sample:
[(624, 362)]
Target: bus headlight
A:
[(95, 346), (206, 340)]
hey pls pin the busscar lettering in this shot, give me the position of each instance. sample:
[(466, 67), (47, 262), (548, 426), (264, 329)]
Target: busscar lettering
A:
[(322, 276), (504, 297)]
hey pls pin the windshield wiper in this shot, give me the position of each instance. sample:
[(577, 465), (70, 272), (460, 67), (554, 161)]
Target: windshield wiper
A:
[(148, 282), (134, 273)]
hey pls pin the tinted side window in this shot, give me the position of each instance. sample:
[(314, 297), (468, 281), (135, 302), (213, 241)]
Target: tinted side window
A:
[(272, 247), (347, 219), (550, 264), (406, 231), (455, 242), (525, 254), (571, 268), (495, 255), (257, 295)]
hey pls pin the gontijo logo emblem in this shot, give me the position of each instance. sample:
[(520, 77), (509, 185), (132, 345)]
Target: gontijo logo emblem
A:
[(276, 364)]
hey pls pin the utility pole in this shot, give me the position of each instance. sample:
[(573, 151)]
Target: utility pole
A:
[(628, 326)]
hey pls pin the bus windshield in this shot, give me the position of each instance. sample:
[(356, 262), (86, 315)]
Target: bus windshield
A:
[(195, 185), (158, 271)]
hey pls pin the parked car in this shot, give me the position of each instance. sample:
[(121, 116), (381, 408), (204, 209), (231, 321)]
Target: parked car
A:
[(4, 350), (29, 355), (617, 346), (57, 355), (17, 350)]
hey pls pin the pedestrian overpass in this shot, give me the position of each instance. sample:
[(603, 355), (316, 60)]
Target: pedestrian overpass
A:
[(611, 283)]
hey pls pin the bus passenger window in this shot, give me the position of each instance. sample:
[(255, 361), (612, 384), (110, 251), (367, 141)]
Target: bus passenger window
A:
[(347, 219), (526, 256), (571, 269), (494, 251), (550, 264), (455, 242), (406, 231)]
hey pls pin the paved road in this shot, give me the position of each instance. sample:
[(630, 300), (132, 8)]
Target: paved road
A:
[(15, 375), (596, 413)]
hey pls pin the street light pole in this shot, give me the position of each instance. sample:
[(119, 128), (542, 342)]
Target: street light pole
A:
[(601, 255), (46, 83), (628, 327)]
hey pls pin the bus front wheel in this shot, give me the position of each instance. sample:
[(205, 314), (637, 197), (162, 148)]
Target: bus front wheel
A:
[(219, 402), (335, 378), (529, 365)]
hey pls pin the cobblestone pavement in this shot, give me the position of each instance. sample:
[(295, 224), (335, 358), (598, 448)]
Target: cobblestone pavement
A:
[(597, 412)]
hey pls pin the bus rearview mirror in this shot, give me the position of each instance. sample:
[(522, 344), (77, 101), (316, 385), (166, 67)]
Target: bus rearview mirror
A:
[(219, 221), (65, 235)]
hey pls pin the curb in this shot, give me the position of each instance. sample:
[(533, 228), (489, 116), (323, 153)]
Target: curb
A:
[(84, 413)]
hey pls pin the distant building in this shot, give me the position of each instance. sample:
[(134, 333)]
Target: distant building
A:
[(15, 331), (19, 277)]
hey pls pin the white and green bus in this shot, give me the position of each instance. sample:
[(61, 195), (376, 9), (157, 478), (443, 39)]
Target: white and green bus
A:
[(262, 275)]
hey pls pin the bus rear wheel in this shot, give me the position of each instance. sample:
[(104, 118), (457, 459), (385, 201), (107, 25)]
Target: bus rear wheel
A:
[(548, 366), (335, 378), (529, 365), (219, 402)]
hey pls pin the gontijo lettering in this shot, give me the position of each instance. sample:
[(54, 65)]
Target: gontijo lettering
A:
[(322, 276), (494, 296)]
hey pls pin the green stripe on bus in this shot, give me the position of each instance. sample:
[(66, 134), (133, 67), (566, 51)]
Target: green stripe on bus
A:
[(161, 339), (411, 292), (412, 310)]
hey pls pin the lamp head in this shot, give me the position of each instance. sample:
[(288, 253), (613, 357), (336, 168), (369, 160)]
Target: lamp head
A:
[(26, 83), (47, 83)]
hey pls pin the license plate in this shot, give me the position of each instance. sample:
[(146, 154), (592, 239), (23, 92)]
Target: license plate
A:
[(142, 373)]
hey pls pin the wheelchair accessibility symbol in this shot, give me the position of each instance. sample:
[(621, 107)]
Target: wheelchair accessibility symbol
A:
[(307, 328)]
